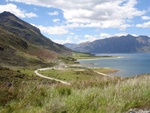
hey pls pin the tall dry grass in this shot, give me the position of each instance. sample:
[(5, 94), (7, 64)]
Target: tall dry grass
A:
[(101, 95)]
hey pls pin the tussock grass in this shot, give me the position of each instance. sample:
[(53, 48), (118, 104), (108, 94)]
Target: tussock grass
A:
[(99, 95)]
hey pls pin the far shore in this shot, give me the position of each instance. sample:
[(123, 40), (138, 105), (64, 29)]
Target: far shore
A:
[(79, 56), (92, 64), (96, 58)]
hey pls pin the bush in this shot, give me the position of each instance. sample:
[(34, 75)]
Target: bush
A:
[(64, 90)]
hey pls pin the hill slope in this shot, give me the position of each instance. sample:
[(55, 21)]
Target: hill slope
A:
[(123, 44), (22, 44), (28, 32)]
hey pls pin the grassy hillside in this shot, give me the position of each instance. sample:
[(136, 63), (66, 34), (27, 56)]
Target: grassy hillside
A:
[(29, 33), (17, 52), (100, 94), (22, 44)]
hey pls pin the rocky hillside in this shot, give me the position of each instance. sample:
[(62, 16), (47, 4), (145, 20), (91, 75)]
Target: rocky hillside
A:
[(122, 44), (28, 32), (22, 44)]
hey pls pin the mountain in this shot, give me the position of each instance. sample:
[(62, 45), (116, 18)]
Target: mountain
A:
[(22, 44), (70, 45), (28, 32), (122, 44)]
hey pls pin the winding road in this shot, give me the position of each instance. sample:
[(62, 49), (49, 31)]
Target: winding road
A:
[(58, 80), (103, 74), (40, 75)]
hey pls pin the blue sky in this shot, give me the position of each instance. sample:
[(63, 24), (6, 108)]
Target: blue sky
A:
[(70, 21)]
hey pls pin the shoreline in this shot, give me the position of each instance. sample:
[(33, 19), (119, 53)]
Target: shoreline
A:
[(110, 70), (91, 65), (99, 58), (104, 74)]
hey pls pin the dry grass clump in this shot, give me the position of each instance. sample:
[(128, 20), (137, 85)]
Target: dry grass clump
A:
[(98, 95)]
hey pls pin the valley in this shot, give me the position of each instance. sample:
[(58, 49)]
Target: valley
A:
[(63, 85)]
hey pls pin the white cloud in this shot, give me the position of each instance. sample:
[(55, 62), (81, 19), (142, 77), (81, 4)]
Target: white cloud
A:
[(144, 25), (105, 35), (120, 34), (56, 20), (53, 13), (72, 33), (93, 13), (68, 40), (52, 30), (35, 9), (61, 41), (72, 38), (89, 38), (30, 15), (145, 17), (15, 10)]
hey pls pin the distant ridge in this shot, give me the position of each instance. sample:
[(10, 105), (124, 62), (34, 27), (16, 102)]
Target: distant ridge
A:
[(122, 44)]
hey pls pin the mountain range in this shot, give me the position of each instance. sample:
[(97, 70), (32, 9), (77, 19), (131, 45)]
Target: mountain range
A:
[(22, 44), (122, 44)]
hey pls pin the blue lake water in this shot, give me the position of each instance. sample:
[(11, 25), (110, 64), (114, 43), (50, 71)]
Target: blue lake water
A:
[(128, 65)]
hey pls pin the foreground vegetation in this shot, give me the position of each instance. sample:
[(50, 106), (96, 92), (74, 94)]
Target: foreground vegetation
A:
[(98, 94), (21, 91)]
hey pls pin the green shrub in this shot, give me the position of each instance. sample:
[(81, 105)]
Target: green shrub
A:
[(64, 91)]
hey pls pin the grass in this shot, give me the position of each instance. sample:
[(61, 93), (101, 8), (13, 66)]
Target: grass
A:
[(111, 96), (74, 74), (70, 74), (105, 70), (29, 72), (78, 55), (95, 94), (27, 56), (22, 52), (67, 59)]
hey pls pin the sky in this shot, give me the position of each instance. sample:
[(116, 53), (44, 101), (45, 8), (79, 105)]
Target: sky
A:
[(71, 21)]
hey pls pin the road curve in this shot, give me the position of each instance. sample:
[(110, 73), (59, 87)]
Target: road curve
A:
[(103, 74), (40, 75)]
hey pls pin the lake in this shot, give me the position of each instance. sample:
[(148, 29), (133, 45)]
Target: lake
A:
[(128, 65)]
